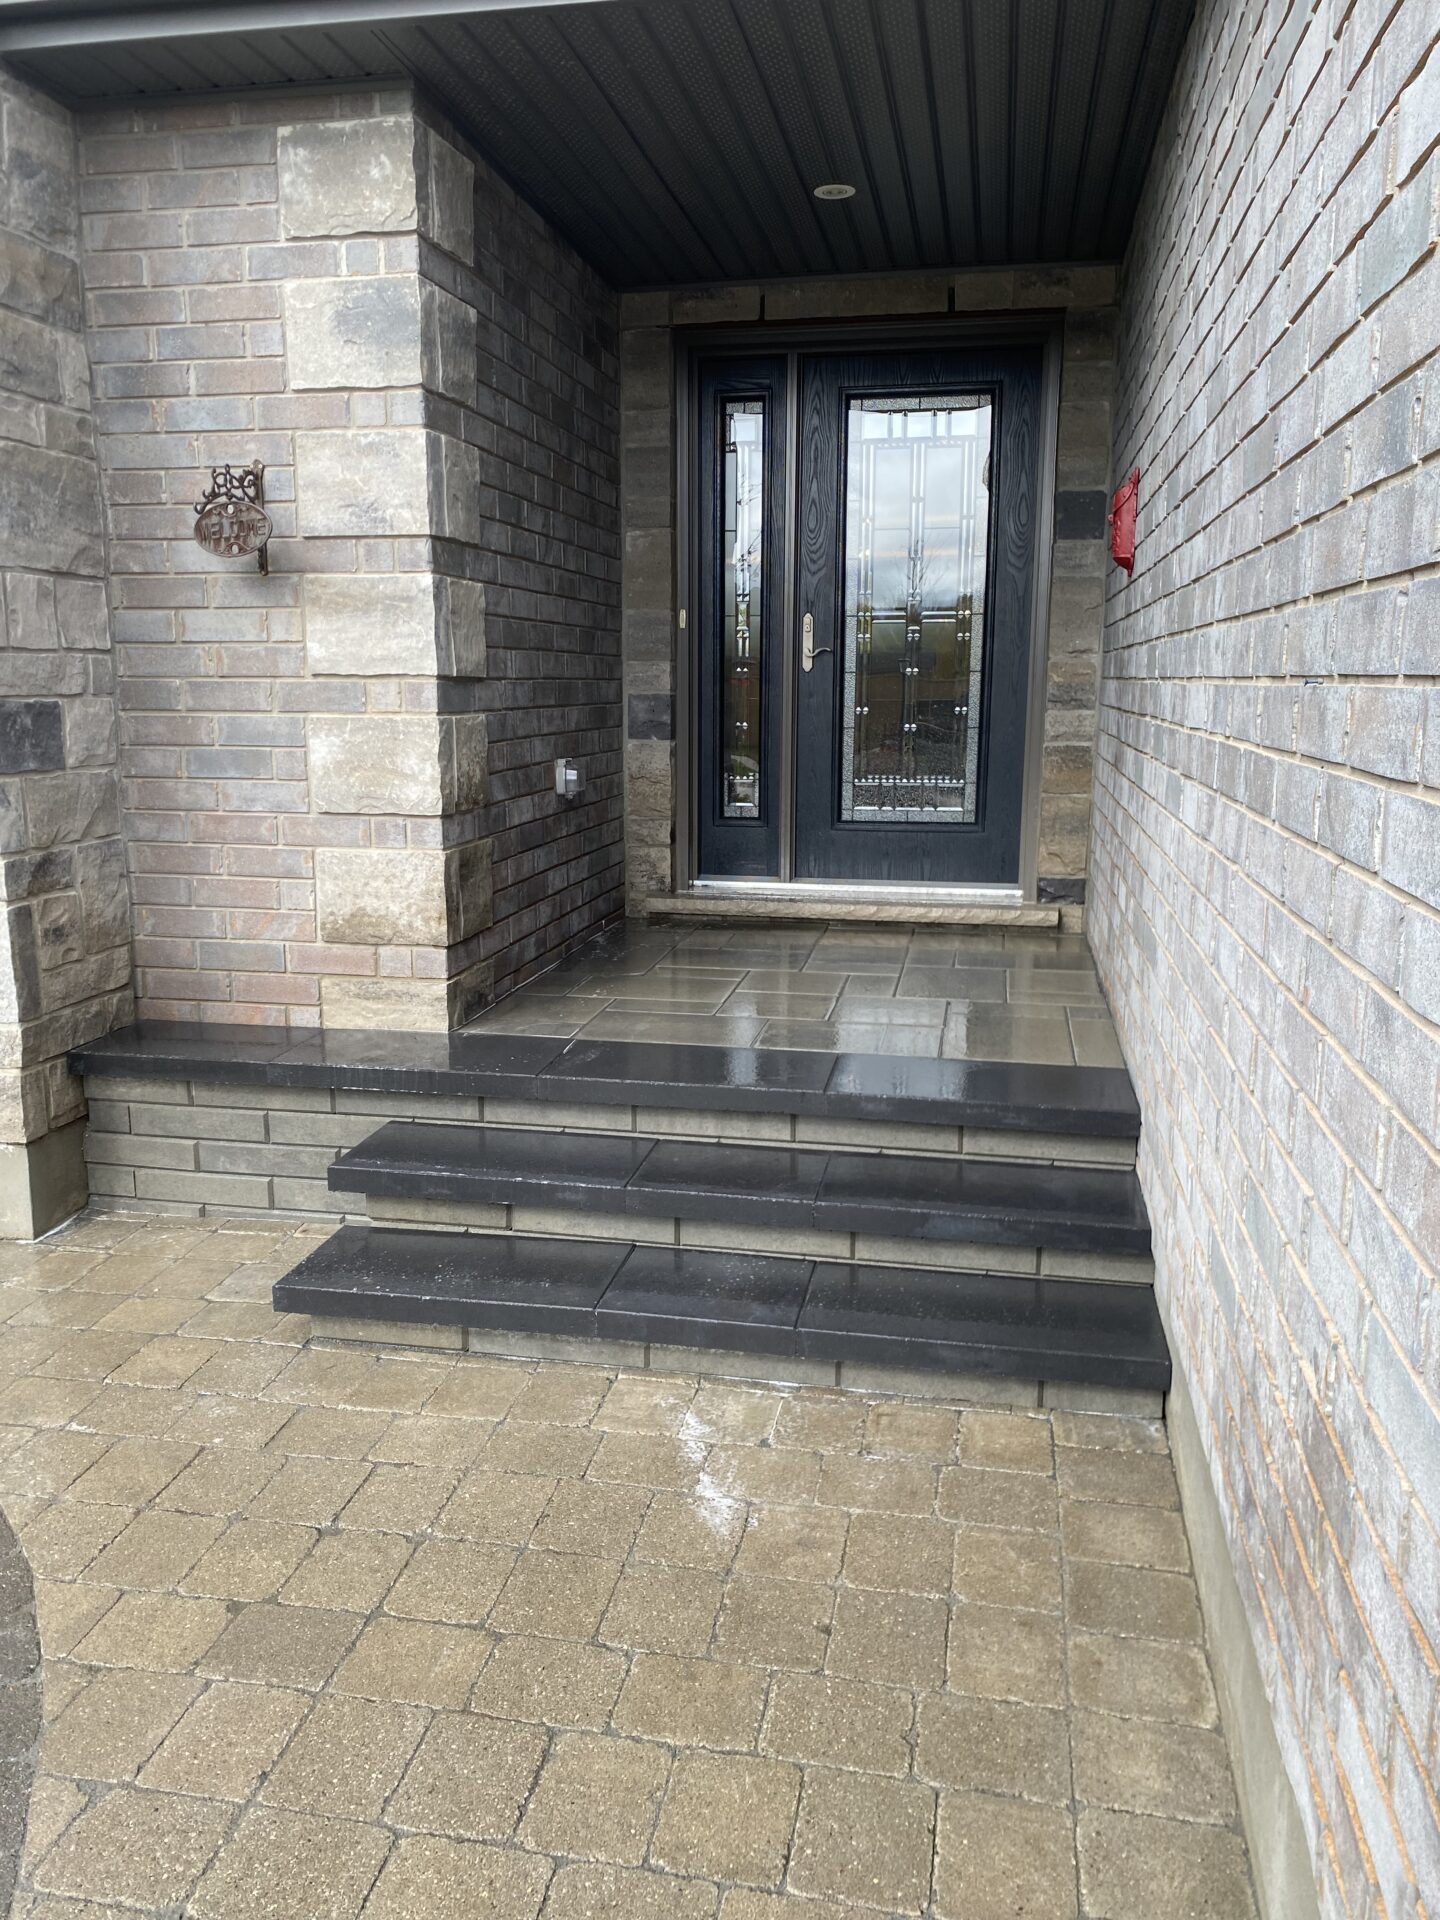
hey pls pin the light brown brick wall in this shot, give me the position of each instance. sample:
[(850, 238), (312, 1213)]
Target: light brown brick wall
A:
[(1265, 901)]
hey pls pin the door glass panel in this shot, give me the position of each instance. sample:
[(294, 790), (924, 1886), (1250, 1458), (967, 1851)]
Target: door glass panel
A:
[(742, 508), (917, 478)]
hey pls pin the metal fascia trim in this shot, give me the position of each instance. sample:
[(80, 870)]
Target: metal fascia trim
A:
[(260, 16)]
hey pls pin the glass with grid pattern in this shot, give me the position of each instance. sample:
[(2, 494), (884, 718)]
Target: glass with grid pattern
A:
[(917, 478), (742, 551)]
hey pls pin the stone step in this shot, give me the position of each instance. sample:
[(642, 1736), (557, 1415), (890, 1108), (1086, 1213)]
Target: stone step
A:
[(1002, 1096), (841, 908), (853, 1316), (924, 1198)]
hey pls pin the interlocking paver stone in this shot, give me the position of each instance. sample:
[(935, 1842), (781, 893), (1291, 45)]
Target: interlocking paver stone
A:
[(341, 1635), (598, 1797), (728, 1817), (861, 1837), (995, 1858), (560, 1683), (692, 1703), (994, 1746), (346, 1759), (227, 1740), (470, 1776), (291, 1866), (144, 1849), (457, 1880)]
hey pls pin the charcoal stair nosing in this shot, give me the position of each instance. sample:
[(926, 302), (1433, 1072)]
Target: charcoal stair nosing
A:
[(923, 1198), (969, 1322), (1006, 1096)]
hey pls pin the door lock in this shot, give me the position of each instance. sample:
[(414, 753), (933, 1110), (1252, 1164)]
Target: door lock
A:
[(808, 648)]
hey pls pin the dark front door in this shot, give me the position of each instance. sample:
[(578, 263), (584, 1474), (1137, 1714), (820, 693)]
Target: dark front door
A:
[(865, 643)]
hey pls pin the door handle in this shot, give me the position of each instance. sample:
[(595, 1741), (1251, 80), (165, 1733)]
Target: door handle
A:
[(808, 648)]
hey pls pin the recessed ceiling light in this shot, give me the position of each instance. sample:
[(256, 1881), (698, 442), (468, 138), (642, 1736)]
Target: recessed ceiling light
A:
[(835, 190)]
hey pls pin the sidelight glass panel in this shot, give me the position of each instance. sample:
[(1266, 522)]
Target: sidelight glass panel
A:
[(742, 550), (917, 478)]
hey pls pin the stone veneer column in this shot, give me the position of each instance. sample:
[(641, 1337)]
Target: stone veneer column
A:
[(397, 775), (65, 933)]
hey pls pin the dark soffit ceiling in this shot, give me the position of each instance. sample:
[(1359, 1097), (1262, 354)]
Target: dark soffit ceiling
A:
[(680, 140)]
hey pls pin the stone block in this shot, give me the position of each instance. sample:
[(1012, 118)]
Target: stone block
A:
[(461, 634), (65, 807), (879, 294), (1065, 286), (31, 621), (454, 488), (50, 510), (648, 363), (650, 716), (704, 306), (370, 483), (31, 736), (469, 889), (40, 167), (82, 616), (648, 309), (446, 195), (448, 344), (649, 778), (649, 570), (101, 882), (464, 761), (42, 1182), (416, 1006), (59, 930), (348, 176), (90, 732), (983, 290), (359, 332), (30, 357), (369, 896), (375, 623), (375, 764), (35, 279)]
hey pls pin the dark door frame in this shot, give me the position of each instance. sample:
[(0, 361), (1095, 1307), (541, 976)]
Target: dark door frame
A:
[(1045, 328)]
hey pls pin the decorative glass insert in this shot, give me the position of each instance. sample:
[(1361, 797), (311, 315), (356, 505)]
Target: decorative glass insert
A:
[(742, 553), (917, 479)]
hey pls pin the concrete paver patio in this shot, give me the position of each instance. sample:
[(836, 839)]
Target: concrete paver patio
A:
[(957, 994), (330, 1632)]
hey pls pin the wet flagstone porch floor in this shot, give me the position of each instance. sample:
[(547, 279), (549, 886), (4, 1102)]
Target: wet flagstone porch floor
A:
[(958, 995), (329, 1632)]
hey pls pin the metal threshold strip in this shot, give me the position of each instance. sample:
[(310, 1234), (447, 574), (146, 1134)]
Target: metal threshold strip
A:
[(870, 892)]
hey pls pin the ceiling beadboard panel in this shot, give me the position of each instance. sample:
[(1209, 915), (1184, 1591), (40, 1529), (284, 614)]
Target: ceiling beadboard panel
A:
[(681, 140)]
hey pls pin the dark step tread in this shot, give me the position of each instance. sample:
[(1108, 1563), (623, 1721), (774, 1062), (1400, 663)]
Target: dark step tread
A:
[(1102, 1334), (920, 1197), (1097, 1102)]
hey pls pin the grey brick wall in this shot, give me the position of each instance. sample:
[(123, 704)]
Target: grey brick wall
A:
[(655, 323), (539, 433), (1265, 897), (65, 945)]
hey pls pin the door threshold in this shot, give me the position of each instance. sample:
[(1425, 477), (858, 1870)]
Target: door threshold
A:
[(747, 902)]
